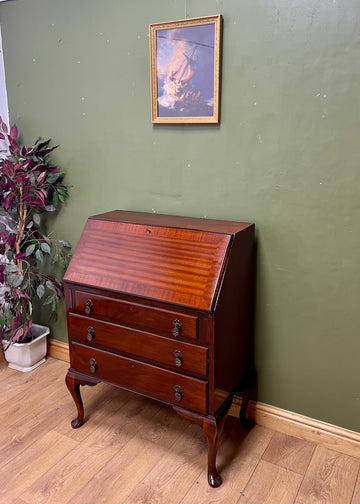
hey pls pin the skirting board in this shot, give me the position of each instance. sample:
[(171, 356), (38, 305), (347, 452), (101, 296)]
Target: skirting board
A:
[(277, 419), (58, 350), (300, 426)]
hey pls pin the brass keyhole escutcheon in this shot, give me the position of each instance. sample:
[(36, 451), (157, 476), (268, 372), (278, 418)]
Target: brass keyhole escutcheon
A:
[(93, 365), (178, 358), (88, 306), (177, 328), (178, 393), (90, 334)]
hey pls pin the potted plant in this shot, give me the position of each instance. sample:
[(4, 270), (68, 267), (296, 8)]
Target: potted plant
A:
[(32, 262)]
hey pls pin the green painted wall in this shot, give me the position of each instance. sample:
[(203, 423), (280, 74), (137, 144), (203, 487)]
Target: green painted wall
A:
[(285, 156)]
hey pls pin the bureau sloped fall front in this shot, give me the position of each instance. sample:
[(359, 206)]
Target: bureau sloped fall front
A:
[(162, 306)]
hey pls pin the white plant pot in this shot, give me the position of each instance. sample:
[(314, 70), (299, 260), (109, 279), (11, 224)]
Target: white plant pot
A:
[(28, 356)]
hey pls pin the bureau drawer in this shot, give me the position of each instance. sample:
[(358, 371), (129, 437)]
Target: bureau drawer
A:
[(160, 383), (139, 343), (173, 323)]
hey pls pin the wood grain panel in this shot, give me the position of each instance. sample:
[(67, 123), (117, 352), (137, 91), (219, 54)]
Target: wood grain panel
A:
[(139, 343), (179, 266), (136, 314), (145, 378)]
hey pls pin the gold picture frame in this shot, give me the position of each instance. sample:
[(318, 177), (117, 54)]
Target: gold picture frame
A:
[(185, 66)]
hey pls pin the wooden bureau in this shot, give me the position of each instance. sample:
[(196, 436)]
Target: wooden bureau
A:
[(162, 306)]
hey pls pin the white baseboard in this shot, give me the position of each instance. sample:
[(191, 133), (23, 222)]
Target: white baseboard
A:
[(280, 420)]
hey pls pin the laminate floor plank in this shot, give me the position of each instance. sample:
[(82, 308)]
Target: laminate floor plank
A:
[(271, 484), (164, 427), (132, 449), (172, 477), (100, 402), (26, 420), (76, 469), (124, 471), (356, 494), (42, 385), (289, 452), (238, 455), (330, 478), (22, 434), (30, 465)]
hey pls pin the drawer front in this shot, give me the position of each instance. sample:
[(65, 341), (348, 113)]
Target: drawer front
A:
[(160, 383), (184, 356), (172, 323)]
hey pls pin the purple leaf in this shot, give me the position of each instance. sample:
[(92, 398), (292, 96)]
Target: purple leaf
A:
[(21, 294), (19, 333), (27, 328), (7, 201), (13, 145), (2, 274), (11, 239), (43, 195), (41, 177), (28, 164), (21, 255), (41, 167), (13, 132)]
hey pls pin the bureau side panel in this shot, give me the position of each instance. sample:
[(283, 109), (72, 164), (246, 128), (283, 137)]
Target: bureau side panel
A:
[(233, 335)]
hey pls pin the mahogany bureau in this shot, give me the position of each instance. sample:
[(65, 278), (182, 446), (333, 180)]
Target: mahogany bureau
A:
[(162, 306)]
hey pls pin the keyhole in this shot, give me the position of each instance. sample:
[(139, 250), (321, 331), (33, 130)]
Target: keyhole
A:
[(149, 231)]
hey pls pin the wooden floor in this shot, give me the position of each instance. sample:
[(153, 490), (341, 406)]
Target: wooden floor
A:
[(133, 450)]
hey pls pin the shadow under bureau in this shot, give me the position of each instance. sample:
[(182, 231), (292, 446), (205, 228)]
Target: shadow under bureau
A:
[(162, 305)]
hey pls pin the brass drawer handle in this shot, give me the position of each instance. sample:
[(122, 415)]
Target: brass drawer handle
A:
[(178, 393), (177, 328), (179, 360), (88, 306), (93, 365), (90, 333)]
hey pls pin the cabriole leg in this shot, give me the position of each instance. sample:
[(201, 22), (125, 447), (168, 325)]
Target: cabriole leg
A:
[(73, 383), (213, 430), (212, 427), (74, 388)]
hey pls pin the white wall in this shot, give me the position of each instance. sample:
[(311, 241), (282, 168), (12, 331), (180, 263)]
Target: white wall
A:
[(4, 112)]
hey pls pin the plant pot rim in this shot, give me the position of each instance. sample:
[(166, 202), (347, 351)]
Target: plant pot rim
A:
[(42, 330)]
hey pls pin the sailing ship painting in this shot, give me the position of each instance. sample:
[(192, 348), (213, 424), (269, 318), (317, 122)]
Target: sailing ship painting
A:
[(185, 71)]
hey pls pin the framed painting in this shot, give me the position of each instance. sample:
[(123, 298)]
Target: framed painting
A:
[(185, 70)]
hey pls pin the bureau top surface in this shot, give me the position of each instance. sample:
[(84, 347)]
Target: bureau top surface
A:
[(199, 224), (177, 260)]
